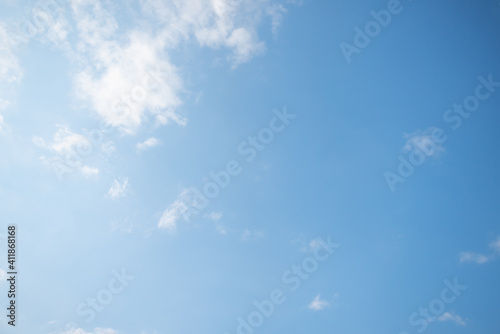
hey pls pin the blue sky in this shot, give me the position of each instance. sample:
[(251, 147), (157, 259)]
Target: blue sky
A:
[(172, 164)]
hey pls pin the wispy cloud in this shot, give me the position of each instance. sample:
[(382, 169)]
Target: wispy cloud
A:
[(148, 143), (118, 189), (180, 208), (216, 216), (125, 76), (248, 235), (317, 304), (423, 141), (470, 257), (458, 320), (220, 229), (276, 12), (477, 258), (245, 46), (4, 104), (10, 70), (89, 171), (2, 125), (171, 215), (216, 24), (95, 331), (70, 147), (64, 141)]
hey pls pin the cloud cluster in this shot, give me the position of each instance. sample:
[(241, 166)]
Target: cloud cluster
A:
[(122, 71), (70, 147), (126, 76)]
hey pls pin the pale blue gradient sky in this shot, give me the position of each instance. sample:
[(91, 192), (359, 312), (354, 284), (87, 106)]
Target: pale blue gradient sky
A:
[(224, 69)]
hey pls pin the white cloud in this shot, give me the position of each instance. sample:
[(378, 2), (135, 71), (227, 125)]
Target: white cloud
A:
[(458, 320), (71, 149), (245, 46), (108, 147), (105, 331), (95, 331), (3, 126), (186, 200), (215, 216), (171, 215), (468, 257), (126, 78), (423, 141), (89, 171), (64, 141), (150, 142), (118, 189), (317, 304), (252, 235), (3, 275), (496, 245), (276, 11)]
